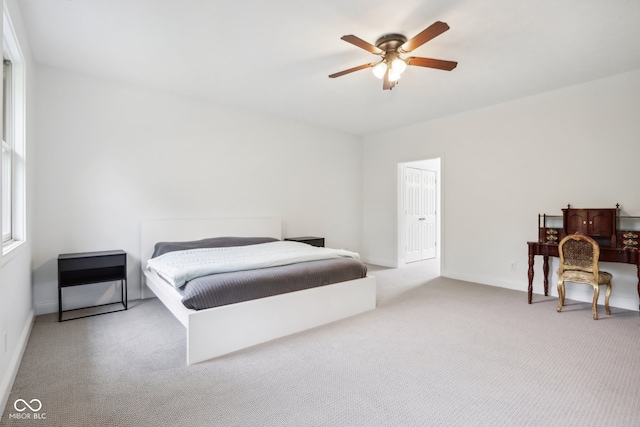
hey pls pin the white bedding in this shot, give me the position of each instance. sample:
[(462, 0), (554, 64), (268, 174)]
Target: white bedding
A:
[(179, 267)]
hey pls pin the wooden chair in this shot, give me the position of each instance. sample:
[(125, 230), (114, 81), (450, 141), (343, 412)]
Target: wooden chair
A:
[(579, 264)]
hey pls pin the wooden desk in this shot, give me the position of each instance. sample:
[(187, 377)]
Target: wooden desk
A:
[(607, 254)]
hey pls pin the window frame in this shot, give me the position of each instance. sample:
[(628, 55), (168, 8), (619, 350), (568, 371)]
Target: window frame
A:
[(16, 140)]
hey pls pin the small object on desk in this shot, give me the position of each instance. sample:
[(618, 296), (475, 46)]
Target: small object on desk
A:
[(92, 267), (310, 240)]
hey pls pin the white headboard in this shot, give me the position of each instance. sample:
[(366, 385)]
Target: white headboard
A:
[(179, 230)]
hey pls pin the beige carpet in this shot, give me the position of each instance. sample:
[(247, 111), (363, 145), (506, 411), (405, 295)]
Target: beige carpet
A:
[(436, 352)]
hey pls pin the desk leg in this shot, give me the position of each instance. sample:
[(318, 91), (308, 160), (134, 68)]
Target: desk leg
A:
[(545, 271), (530, 276)]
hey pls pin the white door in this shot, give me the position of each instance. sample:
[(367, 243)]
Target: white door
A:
[(412, 207), (429, 214), (420, 214)]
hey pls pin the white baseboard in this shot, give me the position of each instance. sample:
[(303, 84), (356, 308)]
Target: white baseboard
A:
[(379, 261), (46, 307), (484, 280), (80, 296), (581, 293), (7, 382)]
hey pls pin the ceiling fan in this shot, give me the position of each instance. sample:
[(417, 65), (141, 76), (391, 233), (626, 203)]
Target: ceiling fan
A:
[(389, 47)]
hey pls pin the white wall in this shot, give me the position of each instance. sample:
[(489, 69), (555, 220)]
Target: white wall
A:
[(16, 312), (111, 154), (501, 166)]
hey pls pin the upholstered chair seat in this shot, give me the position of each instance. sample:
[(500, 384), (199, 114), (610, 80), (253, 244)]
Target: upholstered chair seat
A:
[(586, 278)]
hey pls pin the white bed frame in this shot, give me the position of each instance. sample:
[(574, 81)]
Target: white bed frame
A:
[(222, 330)]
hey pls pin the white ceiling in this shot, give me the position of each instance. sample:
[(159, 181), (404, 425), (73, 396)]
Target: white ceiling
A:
[(275, 56)]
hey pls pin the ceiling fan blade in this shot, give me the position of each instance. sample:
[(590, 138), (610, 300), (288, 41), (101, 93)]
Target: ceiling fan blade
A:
[(351, 70), (357, 41), (431, 32), (431, 63)]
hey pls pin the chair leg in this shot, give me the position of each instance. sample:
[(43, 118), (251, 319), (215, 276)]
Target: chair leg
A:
[(594, 306), (606, 298), (560, 295)]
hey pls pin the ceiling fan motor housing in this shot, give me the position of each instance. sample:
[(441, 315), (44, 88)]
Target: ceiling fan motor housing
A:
[(390, 42)]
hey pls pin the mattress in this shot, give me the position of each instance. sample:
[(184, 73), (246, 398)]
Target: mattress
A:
[(225, 288)]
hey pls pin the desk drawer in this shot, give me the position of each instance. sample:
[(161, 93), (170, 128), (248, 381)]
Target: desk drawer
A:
[(629, 239)]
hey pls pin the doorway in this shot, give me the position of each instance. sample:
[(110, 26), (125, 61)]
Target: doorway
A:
[(419, 218)]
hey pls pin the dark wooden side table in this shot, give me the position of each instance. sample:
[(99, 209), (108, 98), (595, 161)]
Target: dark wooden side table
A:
[(310, 240), (92, 267)]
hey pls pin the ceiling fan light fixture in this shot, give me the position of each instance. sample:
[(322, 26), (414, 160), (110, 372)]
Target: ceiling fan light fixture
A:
[(398, 65), (380, 69), (393, 75)]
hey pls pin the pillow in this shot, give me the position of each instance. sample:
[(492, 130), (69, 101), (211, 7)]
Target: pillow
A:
[(212, 242)]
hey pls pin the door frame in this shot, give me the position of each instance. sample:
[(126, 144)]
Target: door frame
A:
[(434, 164)]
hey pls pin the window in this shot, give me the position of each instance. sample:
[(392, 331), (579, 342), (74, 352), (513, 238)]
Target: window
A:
[(12, 166), (7, 153)]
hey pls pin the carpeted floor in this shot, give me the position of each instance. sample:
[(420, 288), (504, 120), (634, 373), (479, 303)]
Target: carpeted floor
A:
[(435, 352)]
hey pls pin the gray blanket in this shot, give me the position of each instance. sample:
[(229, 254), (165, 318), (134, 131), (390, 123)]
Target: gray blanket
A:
[(229, 288)]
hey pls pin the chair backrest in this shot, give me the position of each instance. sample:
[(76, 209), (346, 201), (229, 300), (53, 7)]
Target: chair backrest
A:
[(579, 252)]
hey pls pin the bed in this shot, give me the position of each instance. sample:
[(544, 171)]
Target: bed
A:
[(221, 330)]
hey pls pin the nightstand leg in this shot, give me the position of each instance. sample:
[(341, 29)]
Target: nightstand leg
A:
[(125, 297), (59, 304)]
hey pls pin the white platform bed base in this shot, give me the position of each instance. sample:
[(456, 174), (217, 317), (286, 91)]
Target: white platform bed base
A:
[(222, 330)]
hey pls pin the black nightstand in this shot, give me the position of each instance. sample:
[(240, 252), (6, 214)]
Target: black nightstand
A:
[(310, 240), (92, 267)]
